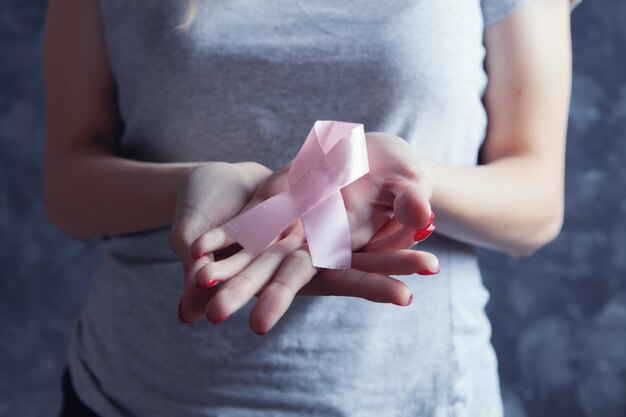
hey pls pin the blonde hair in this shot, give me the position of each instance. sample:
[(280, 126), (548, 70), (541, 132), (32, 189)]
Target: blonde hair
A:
[(191, 10)]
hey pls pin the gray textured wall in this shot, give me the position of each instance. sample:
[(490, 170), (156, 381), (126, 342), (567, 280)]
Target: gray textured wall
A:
[(559, 317)]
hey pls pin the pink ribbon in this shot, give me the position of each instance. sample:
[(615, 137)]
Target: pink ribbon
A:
[(333, 155)]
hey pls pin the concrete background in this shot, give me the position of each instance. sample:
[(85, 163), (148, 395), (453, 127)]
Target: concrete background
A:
[(559, 317)]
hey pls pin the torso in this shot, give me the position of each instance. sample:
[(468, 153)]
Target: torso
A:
[(246, 82)]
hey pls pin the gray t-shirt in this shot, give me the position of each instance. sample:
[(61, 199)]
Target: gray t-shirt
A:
[(246, 82)]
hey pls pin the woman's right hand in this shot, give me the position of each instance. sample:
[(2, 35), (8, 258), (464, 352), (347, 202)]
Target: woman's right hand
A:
[(208, 195)]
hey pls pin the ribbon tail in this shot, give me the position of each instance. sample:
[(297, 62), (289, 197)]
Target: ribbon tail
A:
[(328, 234), (255, 229)]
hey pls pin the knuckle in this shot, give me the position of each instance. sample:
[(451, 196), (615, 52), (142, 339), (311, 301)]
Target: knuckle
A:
[(275, 251), (283, 287), (299, 257), (245, 280)]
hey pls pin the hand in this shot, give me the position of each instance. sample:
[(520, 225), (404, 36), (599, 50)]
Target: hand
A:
[(208, 196), (384, 208), (214, 193)]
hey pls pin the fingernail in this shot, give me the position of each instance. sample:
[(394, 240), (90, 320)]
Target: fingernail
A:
[(429, 272), (208, 284), (180, 314), (260, 333), (200, 256), (421, 235), (430, 221), (404, 305), (217, 320)]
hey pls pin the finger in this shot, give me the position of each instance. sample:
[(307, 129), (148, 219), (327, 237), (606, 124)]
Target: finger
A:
[(294, 273), (396, 262), (224, 269), (211, 241), (390, 227), (411, 205), (355, 283), (180, 240), (229, 267), (402, 239), (237, 291), (194, 300)]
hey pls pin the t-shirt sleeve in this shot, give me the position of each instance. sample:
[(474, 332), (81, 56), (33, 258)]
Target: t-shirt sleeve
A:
[(495, 10)]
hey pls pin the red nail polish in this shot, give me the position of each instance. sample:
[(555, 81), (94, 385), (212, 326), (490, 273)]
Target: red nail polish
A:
[(180, 314), (423, 234), (432, 218), (428, 272), (210, 283), (218, 320)]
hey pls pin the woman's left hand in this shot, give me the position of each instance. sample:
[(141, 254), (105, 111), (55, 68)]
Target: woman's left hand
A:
[(385, 208)]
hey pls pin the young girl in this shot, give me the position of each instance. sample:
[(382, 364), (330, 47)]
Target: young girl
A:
[(157, 134)]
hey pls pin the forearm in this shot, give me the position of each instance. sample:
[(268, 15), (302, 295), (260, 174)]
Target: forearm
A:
[(513, 205), (90, 192)]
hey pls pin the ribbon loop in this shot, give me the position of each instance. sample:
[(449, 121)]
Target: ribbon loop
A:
[(333, 155)]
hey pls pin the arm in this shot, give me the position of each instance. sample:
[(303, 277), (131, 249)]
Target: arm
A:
[(88, 190), (514, 201)]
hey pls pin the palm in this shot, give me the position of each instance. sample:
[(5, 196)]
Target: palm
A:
[(369, 201), (393, 191), (391, 198)]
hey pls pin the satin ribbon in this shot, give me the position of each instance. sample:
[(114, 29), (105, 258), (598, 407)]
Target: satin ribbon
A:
[(333, 155)]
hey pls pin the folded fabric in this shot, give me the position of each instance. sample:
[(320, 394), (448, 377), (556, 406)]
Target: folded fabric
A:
[(333, 155)]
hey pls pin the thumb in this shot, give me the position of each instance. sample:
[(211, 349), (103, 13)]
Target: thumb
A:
[(411, 205)]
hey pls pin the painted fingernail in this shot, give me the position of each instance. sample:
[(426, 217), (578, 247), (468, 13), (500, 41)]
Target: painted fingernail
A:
[(404, 305), (208, 284), (421, 235), (180, 314), (429, 272), (217, 320)]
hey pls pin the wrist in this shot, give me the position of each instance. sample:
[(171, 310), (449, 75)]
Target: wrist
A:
[(430, 170), (172, 185)]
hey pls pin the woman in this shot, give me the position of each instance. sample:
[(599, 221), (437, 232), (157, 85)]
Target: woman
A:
[(132, 103)]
